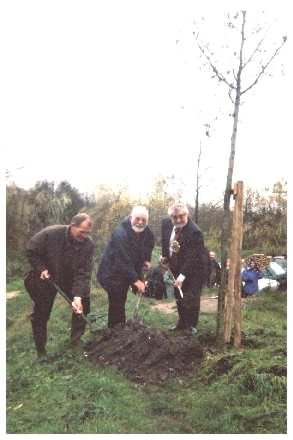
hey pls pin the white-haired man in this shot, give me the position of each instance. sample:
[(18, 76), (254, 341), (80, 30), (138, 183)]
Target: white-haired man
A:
[(128, 252), (183, 250)]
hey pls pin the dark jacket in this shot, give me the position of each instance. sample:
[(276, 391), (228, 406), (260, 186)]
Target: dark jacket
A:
[(214, 271), (191, 260), (68, 261), (123, 258), (155, 283)]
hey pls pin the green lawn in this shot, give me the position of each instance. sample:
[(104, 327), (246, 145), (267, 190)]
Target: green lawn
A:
[(234, 392)]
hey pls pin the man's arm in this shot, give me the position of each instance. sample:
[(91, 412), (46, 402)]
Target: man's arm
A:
[(122, 249), (82, 277), (165, 237), (36, 251), (149, 246), (194, 259)]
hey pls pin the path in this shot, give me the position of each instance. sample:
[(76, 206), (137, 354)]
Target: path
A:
[(208, 304)]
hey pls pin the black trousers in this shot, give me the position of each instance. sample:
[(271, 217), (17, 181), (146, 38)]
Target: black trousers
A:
[(188, 307), (117, 296), (43, 295)]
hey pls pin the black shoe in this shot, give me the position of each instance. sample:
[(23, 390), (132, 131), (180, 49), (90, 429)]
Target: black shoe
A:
[(189, 331), (177, 328), (42, 357), (193, 331), (173, 329), (76, 345)]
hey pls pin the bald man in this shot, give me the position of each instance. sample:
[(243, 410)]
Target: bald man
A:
[(63, 254)]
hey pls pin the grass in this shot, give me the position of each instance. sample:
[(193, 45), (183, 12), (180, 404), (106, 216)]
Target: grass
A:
[(15, 284), (240, 391)]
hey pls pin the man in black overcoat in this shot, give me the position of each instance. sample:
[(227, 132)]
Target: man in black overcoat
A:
[(184, 252), (127, 254)]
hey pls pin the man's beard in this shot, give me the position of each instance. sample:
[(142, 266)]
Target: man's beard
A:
[(180, 225), (138, 228)]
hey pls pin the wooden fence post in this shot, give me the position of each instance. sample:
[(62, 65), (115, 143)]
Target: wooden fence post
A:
[(237, 286), (232, 310)]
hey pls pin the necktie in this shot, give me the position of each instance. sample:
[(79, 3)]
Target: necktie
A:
[(177, 233), (175, 244)]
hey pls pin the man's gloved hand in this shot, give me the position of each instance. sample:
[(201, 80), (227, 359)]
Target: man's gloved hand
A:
[(77, 305), (45, 275)]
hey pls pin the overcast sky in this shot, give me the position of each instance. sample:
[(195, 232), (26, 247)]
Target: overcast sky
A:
[(111, 92)]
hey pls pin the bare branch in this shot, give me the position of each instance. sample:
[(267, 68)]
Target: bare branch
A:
[(264, 67), (213, 67), (253, 53), (241, 50), (230, 96), (258, 46), (218, 203)]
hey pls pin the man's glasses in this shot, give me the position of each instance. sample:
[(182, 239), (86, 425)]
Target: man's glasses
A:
[(179, 216), (83, 232)]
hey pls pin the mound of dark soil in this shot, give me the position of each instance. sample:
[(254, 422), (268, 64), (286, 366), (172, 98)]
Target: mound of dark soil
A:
[(145, 355)]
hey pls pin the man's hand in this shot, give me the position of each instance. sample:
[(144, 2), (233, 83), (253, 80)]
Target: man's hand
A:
[(179, 281), (140, 286), (163, 262), (77, 305), (178, 284), (45, 275)]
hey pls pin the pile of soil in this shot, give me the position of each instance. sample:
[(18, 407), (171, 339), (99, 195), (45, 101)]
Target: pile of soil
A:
[(145, 355)]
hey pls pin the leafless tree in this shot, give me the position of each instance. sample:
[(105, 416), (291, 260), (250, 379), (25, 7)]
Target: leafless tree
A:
[(234, 80), (207, 131), (196, 208)]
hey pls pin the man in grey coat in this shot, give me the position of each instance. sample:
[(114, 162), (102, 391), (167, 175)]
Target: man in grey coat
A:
[(63, 254)]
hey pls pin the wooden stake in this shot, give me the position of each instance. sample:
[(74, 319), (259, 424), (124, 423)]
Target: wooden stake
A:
[(238, 246), (232, 308)]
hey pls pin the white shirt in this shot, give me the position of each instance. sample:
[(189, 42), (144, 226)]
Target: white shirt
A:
[(180, 277), (172, 236)]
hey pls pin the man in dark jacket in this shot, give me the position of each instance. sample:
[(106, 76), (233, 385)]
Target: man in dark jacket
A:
[(128, 252), (214, 276), (156, 287), (63, 254), (183, 250)]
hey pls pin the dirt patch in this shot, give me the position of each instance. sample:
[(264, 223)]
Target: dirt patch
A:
[(207, 305), (165, 307), (13, 294), (146, 355), (223, 365)]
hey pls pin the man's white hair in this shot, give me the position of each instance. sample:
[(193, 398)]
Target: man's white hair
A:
[(139, 210), (178, 207)]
